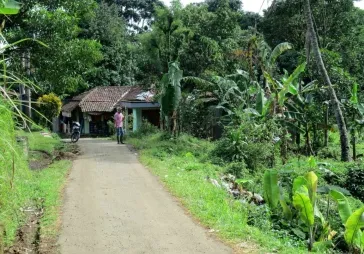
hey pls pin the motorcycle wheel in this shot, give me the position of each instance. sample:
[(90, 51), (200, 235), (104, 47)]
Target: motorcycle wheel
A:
[(75, 137)]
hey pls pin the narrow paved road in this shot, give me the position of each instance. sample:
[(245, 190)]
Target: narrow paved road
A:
[(114, 205)]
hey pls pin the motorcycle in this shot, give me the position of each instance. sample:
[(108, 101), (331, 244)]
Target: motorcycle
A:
[(76, 132)]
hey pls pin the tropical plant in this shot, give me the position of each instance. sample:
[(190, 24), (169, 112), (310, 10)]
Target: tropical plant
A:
[(49, 106), (312, 42), (304, 199), (271, 189), (356, 110), (170, 96), (354, 222), (9, 7)]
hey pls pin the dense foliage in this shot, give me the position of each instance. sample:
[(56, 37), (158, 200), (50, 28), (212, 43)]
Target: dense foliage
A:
[(49, 106), (275, 89)]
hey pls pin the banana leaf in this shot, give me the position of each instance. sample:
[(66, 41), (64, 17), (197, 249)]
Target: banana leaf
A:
[(301, 202), (261, 101), (271, 189), (298, 183), (353, 234), (312, 180), (10, 7), (286, 210), (343, 205), (279, 50)]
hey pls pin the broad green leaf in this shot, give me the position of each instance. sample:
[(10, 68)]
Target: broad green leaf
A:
[(319, 215), (312, 181), (353, 234), (301, 201), (286, 210), (298, 183), (279, 50), (266, 107), (282, 97), (175, 77), (10, 7), (261, 100), (292, 89), (271, 189), (343, 205), (297, 72)]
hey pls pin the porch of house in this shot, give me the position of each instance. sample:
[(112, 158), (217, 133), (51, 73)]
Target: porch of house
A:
[(96, 123), (139, 111)]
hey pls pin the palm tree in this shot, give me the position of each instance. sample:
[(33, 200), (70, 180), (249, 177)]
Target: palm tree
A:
[(313, 42)]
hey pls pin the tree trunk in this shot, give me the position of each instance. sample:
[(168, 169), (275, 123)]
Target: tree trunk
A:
[(326, 142), (344, 139), (354, 146), (353, 139), (174, 117)]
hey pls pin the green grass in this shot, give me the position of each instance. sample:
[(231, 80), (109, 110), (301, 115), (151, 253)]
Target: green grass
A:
[(20, 187), (37, 142), (183, 166), (48, 188)]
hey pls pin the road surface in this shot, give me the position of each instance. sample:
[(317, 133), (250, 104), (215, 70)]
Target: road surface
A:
[(113, 205)]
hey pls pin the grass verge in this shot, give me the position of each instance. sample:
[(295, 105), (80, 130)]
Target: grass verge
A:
[(50, 183), (22, 188), (183, 167)]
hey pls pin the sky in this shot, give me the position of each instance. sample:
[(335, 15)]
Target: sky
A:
[(253, 5)]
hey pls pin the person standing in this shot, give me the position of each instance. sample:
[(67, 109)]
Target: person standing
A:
[(118, 119)]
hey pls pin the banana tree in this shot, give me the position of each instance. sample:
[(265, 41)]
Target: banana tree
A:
[(354, 222), (356, 111), (266, 57), (170, 95), (304, 191)]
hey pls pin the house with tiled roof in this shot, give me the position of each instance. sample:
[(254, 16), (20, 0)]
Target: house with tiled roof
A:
[(94, 108)]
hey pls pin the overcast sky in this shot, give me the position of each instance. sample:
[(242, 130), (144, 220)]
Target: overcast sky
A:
[(252, 5)]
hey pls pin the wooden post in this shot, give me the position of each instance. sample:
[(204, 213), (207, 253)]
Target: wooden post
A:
[(126, 121), (87, 123)]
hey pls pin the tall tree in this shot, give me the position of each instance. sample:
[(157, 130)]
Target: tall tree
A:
[(63, 66), (137, 13), (313, 42), (108, 28), (164, 43)]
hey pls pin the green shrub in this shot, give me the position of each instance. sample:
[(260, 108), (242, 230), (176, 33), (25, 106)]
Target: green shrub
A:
[(258, 216), (355, 182), (111, 127), (330, 152), (49, 105), (146, 128), (250, 142), (238, 169)]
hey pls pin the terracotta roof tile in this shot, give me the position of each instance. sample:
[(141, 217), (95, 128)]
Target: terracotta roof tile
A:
[(70, 106), (103, 99)]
